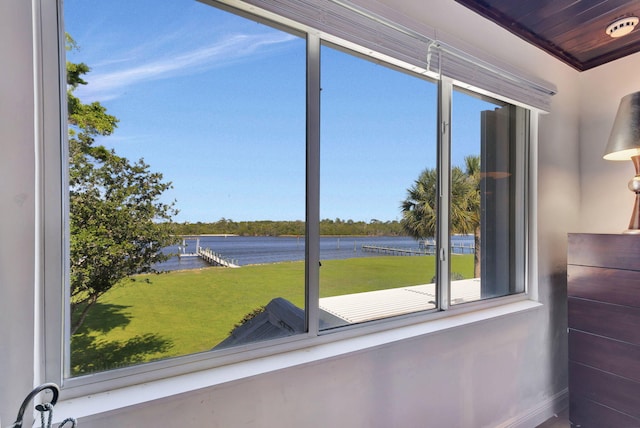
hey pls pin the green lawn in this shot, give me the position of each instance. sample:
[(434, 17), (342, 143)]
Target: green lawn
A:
[(178, 313)]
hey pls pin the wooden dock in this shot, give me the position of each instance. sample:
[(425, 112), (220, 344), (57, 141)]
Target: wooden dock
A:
[(424, 250), (214, 258), (205, 254), (395, 251)]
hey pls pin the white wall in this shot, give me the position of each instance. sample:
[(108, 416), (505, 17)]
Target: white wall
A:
[(17, 199), (483, 374), (606, 203)]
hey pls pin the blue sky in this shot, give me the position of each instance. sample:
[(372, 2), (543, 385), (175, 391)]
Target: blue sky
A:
[(216, 103)]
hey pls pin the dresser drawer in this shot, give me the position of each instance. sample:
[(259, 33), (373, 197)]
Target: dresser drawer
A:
[(605, 319), (617, 286)]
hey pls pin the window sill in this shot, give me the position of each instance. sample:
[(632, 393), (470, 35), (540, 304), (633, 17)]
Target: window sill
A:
[(102, 402)]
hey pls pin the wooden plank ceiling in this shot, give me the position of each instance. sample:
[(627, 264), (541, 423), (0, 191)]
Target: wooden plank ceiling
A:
[(571, 30)]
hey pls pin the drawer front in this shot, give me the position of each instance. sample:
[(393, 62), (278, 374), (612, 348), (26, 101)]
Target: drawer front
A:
[(621, 287), (620, 394), (609, 251), (587, 414), (605, 319), (613, 356)]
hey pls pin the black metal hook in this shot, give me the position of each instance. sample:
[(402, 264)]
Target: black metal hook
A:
[(52, 386)]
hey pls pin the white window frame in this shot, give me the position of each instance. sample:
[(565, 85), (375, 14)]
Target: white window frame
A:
[(210, 368)]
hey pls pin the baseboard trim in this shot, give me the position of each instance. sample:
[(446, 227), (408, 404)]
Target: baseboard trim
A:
[(538, 414)]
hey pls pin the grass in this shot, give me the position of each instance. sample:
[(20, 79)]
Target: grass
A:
[(184, 312)]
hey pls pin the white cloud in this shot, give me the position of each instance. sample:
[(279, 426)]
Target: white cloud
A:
[(105, 85)]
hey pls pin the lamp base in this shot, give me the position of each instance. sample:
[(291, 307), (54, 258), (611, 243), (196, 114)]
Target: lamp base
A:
[(634, 186)]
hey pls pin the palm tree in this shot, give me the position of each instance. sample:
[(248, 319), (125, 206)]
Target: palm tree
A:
[(472, 174), (419, 208)]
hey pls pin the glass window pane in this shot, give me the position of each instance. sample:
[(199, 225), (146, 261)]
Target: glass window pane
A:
[(484, 195), (215, 105), (377, 138)]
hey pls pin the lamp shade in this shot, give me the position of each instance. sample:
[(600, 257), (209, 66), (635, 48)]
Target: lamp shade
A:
[(624, 141)]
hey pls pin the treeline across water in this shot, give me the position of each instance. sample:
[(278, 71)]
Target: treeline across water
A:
[(289, 228)]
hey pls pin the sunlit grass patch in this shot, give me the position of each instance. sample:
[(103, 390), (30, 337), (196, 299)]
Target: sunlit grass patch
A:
[(184, 312)]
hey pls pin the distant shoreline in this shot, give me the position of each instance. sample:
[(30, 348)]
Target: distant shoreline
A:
[(254, 250), (224, 235)]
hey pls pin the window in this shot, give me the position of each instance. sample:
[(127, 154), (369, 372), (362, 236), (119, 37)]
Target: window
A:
[(378, 133), (290, 186), (216, 104), (487, 197)]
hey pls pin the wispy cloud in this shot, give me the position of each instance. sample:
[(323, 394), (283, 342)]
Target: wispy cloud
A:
[(105, 85)]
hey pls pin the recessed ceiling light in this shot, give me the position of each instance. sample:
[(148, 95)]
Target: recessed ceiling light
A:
[(622, 27)]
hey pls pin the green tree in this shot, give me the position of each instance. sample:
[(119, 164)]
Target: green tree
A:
[(114, 206), (419, 207)]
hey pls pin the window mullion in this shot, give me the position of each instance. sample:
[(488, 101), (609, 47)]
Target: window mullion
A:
[(531, 210), (521, 188), (50, 51), (445, 89), (312, 246)]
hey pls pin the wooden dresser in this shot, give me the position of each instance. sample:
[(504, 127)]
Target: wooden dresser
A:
[(604, 330)]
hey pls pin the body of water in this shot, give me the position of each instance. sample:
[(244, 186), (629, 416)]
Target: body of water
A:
[(249, 250)]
